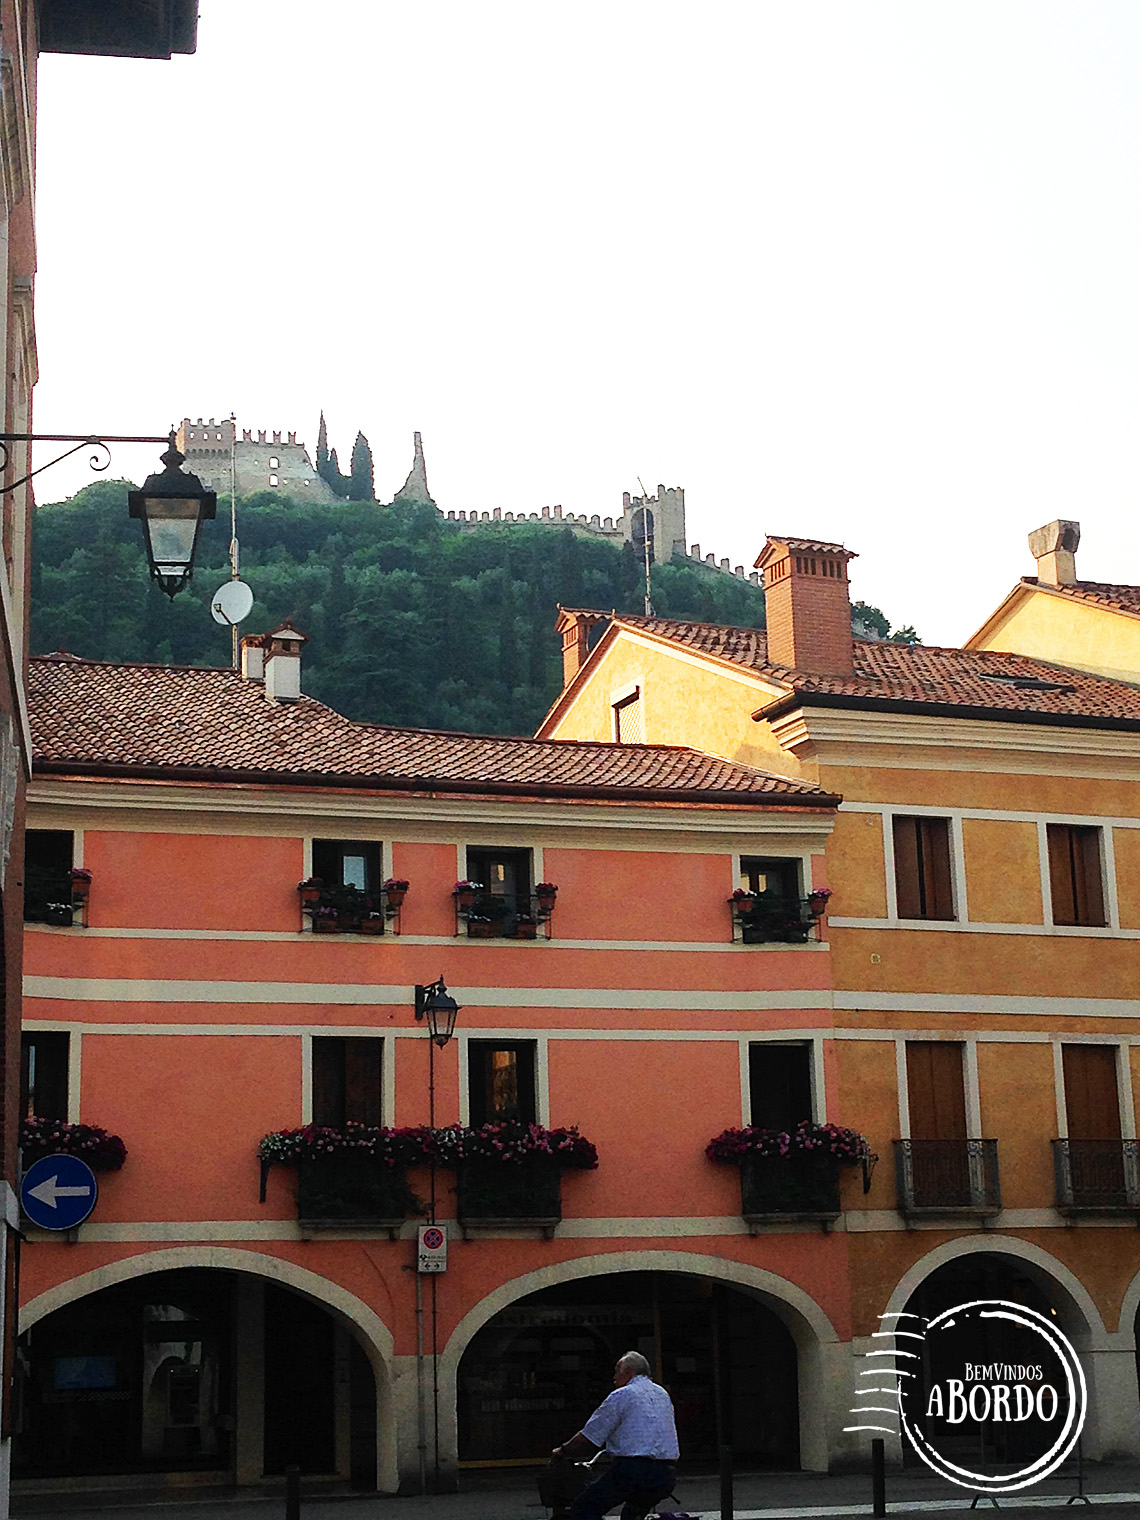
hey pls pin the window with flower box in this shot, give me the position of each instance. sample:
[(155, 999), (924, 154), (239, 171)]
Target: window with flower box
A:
[(347, 895), (767, 907), (49, 892), (503, 905), (501, 1081), (779, 1085)]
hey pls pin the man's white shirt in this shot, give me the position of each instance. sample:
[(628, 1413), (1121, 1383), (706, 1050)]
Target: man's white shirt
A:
[(635, 1421)]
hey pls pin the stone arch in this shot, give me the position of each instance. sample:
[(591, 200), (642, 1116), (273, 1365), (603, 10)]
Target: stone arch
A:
[(1081, 1319), (817, 1341), (373, 1335)]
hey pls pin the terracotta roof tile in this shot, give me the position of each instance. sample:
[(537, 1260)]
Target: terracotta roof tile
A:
[(87, 715), (1099, 593), (985, 681)]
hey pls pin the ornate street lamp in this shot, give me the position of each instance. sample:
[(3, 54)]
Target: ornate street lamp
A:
[(435, 1004), (173, 507)]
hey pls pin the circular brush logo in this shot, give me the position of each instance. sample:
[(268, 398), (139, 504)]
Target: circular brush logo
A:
[(990, 1420)]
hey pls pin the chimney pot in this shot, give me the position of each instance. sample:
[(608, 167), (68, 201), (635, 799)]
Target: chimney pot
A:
[(807, 605), (1054, 547), (575, 630), (283, 663)]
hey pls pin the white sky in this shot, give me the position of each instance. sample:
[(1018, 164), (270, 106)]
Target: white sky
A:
[(863, 271)]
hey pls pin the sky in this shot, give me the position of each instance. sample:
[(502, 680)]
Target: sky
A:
[(865, 272)]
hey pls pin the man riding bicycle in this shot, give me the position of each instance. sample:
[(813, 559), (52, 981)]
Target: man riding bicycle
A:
[(636, 1425)]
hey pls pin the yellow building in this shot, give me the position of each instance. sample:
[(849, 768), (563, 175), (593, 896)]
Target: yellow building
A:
[(984, 923)]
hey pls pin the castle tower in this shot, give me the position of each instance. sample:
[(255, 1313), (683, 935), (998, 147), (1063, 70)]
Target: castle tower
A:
[(415, 488), (663, 514)]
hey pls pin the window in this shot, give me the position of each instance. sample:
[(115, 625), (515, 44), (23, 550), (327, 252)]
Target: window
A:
[(778, 914), (1075, 874), (348, 863), (629, 718), (47, 876), (922, 868), (43, 1075), (273, 481), (346, 1080), (779, 1085), (500, 1081), (273, 463), (504, 881)]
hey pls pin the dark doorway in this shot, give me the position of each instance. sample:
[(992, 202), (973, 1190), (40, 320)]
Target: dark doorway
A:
[(532, 1376), (299, 1384)]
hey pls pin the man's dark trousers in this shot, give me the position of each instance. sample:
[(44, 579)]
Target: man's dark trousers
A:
[(641, 1479)]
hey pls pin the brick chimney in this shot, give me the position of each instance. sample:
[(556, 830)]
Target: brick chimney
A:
[(575, 630), (253, 657), (1054, 547), (283, 663), (807, 605)]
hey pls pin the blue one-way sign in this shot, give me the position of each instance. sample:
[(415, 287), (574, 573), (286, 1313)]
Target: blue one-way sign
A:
[(58, 1192)]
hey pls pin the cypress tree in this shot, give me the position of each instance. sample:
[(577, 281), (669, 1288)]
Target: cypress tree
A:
[(360, 482)]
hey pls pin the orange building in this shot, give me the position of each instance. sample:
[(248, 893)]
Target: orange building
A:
[(187, 999), (984, 925)]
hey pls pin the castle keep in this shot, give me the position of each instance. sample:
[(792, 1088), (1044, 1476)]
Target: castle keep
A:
[(262, 463)]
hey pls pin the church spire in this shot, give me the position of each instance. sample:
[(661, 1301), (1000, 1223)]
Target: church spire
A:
[(415, 488)]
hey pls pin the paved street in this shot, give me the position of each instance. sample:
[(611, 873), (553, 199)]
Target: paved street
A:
[(1114, 1490)]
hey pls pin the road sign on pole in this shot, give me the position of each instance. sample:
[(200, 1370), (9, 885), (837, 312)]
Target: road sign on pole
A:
[(58, 1192)]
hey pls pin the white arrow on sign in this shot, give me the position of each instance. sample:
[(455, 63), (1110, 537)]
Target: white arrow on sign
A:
[(48, 1192)]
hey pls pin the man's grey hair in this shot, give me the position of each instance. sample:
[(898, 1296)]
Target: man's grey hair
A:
[(634, 1363)]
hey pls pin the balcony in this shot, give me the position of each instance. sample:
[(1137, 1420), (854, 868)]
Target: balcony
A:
[(794, 1188), (508, 915), (955, 1178), (54, 897), (347, 1191), (501, 1195), (335, 909), (767, 919), (1097, 1176)]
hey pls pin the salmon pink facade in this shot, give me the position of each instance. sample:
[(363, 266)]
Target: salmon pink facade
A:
[(192, 999)]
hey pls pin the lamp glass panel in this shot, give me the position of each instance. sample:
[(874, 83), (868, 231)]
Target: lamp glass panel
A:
[(172, 523)]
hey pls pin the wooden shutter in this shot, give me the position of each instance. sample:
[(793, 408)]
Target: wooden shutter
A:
[(923, 885), (328, 1081), (629, 719), (1075, 875), (362, 1086), (501, 1081), (779, 1081), (907, 892), (1091, 1098), (936, 1090)]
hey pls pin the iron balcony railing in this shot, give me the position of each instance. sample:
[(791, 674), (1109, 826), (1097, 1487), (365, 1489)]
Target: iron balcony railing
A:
[(769, 919), (948, 1177), (1097, 1176), (49, 896)]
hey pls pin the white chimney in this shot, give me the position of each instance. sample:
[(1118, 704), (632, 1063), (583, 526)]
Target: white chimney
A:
[(283, 663), (1054, 547), (253, 657)]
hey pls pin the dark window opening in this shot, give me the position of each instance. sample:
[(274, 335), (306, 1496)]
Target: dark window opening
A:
[(500, 1081), (779, 1085), (778, 912), (43, 1075), (347, 1076), (348, 863), (48, 856), (1075, 874), (504, 894), (923, 885)]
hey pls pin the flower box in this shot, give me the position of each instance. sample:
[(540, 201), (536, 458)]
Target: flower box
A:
[(370, 926), (326, 926), (507, 1194), (347, 1190), (482, 928), (310, 891), (80, 886), (60, 914), (102, 1151), (526, 929), (394, 893), (800, 1185)]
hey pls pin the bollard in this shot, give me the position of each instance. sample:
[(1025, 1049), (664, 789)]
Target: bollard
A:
[(292, 1493), (878, 1477), (726, 1506)]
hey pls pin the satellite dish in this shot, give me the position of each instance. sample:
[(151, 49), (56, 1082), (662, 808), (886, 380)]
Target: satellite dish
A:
[(231, 603)]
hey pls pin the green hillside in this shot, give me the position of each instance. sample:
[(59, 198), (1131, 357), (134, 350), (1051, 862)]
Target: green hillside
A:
[(411, 620)]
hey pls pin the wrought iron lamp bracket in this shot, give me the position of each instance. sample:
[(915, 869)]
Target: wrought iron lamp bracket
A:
[(98, 462), (870, 1162)]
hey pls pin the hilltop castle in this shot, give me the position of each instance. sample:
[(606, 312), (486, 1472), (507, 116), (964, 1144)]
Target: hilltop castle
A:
[(279, 462)]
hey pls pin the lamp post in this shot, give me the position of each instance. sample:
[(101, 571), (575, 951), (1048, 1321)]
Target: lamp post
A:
[(172, 507), (436, 1006)]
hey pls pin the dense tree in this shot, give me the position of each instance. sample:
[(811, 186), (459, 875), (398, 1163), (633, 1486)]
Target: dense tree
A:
[(412, 619), (360, 485)]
